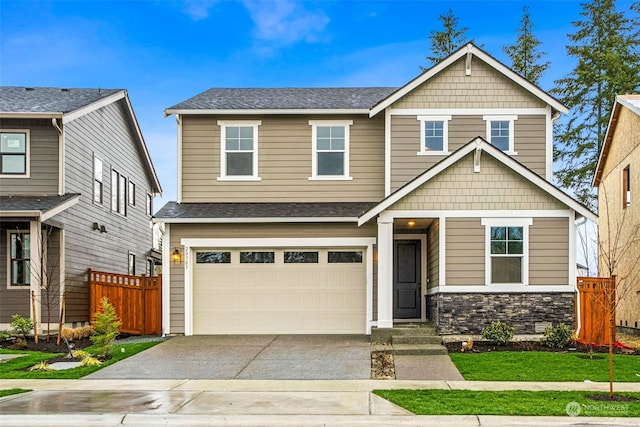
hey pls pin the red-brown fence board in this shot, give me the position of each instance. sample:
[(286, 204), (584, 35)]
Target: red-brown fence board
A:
[(136, 299), (593, 309)]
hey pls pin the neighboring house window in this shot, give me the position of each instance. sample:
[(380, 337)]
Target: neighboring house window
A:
[(507, 258), (151, 267), (149, 204), (14, 150), (132, 264), (98, 187), (118, 193), (626, 187), (239, 153), (132, 193), (434, 131), (330, 153), (500, 132), (19, 258)]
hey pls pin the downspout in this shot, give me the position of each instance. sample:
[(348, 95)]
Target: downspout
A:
[(61, 186)]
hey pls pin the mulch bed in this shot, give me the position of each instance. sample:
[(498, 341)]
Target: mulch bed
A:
[(485, 346)]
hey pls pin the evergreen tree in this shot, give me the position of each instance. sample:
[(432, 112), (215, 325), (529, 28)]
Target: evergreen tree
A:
[(606, 47), (524, 53), (444, 43)]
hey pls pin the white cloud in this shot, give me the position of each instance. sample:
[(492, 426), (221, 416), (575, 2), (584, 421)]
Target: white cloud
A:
[(198, 9), (285, 22)]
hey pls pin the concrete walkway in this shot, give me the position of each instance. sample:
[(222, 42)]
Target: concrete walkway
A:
[(257, 403)]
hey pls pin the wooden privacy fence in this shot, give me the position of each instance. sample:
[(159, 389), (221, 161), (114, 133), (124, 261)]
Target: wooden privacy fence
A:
[(594, 296), (136, 299)]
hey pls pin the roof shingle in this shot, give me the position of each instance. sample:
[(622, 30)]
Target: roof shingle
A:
[(14, 99)]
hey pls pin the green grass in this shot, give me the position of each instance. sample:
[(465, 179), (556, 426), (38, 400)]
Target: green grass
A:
[(532, 403), (10, 391), (545, 366), (16, 368)]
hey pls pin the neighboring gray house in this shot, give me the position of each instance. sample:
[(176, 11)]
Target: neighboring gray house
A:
[(76, 192), (336, 210)]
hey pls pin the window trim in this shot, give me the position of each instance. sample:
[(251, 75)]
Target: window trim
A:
[(626, 187), (502, 118), (525, 223), (149, 204), (95, 179), (8, 261), (131, 255), (131, 193), (445, 135), (120, 207), (314, 150), (27, 154), (223, 150)]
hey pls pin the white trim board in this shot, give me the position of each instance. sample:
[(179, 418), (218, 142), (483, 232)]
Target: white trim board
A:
[(297, 242), (501, 289), (169, 111), (254, 220)]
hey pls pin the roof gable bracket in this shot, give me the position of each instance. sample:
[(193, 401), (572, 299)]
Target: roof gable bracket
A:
[(476, 158), (467, 63)]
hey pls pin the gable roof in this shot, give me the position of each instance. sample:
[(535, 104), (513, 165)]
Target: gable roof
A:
[(69, 104), (481, 144), (282, 100), (469, 50), (632, 103)]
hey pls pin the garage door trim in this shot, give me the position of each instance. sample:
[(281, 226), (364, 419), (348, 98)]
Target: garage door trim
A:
[(191, 244)]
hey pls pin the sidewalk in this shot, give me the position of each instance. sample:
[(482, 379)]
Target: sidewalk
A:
[(257, 403)]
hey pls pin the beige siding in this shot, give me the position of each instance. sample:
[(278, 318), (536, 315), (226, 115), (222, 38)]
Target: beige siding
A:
[(465, 242), (496, 187), (433, 255), (179, 231), (43, 159), (406, 164), (284, 162), (549, 252), (624, 151), (484, 88)]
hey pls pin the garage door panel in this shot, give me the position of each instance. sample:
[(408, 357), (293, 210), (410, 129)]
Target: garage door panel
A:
[(279, 298)]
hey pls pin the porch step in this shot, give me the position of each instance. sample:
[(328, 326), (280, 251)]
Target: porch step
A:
[(416, 339), (419, 349)]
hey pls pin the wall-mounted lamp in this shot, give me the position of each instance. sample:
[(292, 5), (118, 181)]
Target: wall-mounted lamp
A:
[(96, 226), (411, 223), (103, 229), (176, 256)]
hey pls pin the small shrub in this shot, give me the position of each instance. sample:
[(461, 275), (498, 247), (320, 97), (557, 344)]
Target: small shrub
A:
[(557, 336), (105, 328), (42, 367), (21, 325), (5, 335), (498, 333), (89, 361)]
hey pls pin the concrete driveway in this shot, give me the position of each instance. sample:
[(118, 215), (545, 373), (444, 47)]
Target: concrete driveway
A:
[(255, 357)]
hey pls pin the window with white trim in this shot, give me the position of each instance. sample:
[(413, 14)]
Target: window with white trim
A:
[(506, 250), (434, 135), (131, 194), (19, 258), (132, 264), (626, 187), (239, 152), (330, 149), (118, 193), (14, 153), (98, 185), (500, 132), (149, 204)]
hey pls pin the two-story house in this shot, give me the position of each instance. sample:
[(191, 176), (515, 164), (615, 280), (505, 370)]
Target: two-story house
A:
[(335, 210), (76, 192), (617, 178)]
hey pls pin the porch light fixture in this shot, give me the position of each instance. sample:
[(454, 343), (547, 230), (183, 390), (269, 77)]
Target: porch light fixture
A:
[(176, 256), (411, 223)]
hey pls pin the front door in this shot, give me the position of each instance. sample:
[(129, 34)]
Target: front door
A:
[(406, 279)]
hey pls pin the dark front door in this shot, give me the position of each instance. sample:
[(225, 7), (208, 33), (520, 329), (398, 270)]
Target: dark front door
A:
[(406, 279)]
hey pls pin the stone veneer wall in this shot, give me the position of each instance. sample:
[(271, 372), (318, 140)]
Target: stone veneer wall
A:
[(471, 312)]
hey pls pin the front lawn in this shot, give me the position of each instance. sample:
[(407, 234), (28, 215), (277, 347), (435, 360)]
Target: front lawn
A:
[(531, 403), (17, 368), (545, 366), (10, 391)]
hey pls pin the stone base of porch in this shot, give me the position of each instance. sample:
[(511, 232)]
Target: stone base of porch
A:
[(469, 313)]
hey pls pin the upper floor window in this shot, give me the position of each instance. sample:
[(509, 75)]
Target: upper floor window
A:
[(507, 258), (239, 154), (118, 193), (131, 194), (20, 258), (330, 153), (626, 187), (434, 131), (149, 204), (131, 264), (98, 186), (500, 132), (14, 149)]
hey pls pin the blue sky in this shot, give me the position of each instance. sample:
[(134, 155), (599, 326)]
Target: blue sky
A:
[(165, 51)]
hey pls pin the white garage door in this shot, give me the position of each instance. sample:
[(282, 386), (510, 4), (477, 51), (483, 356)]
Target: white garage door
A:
[(279, 291)]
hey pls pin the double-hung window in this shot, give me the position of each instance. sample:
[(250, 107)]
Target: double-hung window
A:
[(118, 193), (20, 258), (98, 187), (507, 257), (434, 131), (626, 187), (239, 154), (500, 132), (330, 152), (14, 152)]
